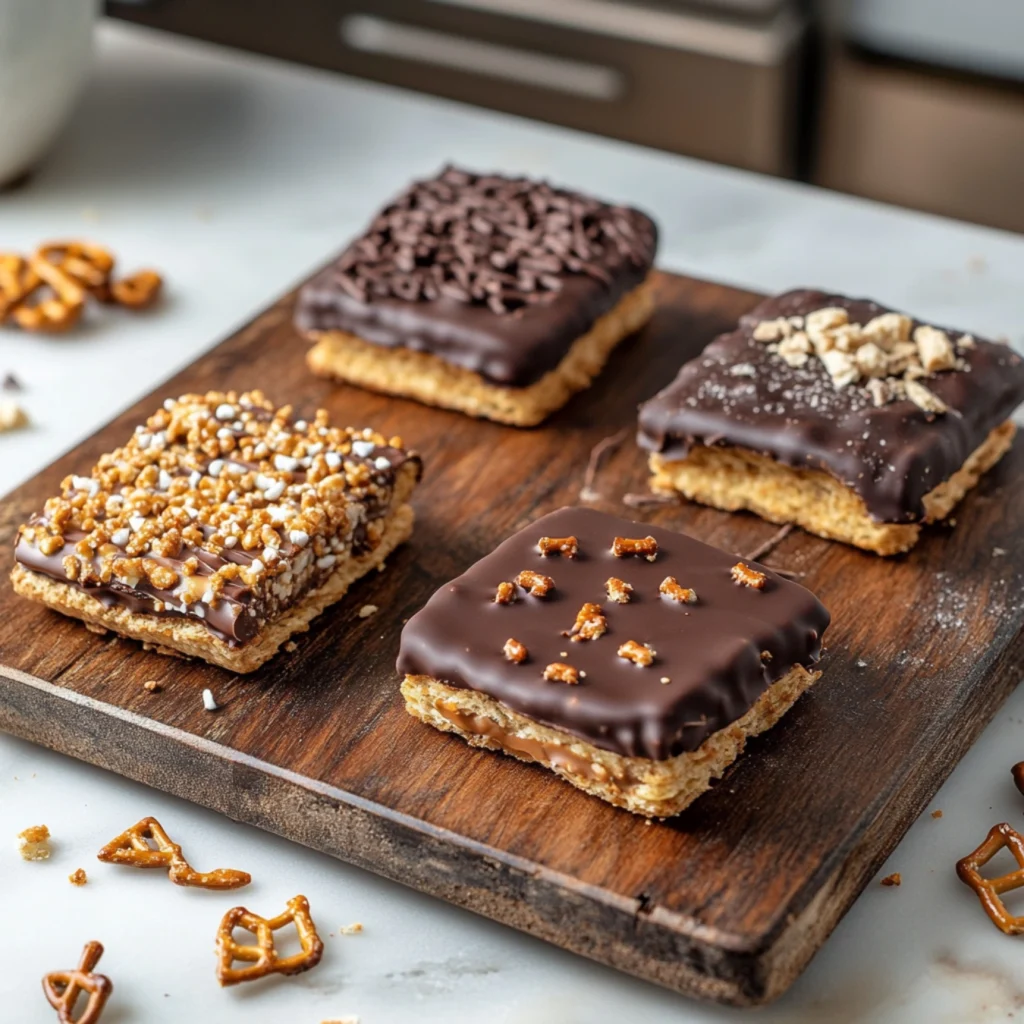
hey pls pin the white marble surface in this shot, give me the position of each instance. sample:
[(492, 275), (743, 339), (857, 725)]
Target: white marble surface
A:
[(236, 176)]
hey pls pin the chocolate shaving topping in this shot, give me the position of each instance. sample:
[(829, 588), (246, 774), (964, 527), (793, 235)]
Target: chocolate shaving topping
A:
[(493, 241)]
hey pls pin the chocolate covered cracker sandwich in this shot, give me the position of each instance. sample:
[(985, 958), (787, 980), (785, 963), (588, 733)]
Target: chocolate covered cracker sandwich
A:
[(220, 529), (632, 661), (855, 422), (499, 297)]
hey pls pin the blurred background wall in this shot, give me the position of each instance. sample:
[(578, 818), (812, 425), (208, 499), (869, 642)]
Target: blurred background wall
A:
[(914, 102)]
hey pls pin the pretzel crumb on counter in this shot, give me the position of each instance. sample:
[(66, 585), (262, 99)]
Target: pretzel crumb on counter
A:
[(936, 813), (367, 610), (743, 575), (78, 877), (152, 686), (12, 416), (34, 843), (351, 929), (894, 879)]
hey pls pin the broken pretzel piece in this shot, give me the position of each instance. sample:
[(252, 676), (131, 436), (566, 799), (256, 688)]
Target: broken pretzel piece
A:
[(747, 577), (147, 845), (639, 654), (644, 547), (589, 625), (559, 672), (63, 988), (262, 958), (515, 651), (989, 890), (536, 583), (568, 546), (671, 588)]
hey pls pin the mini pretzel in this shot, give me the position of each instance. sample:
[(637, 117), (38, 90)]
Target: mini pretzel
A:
[(133, 847), (62, 988), (17, 281), (90, 265), (57, 313), (988, 890), (139, 290), (262, 957), (645, 547)]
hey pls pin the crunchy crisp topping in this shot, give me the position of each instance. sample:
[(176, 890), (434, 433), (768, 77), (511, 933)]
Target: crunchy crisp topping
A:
[(559, 672), (618, 590), (505, 593), (747, 577), (671, 587), (639, 654), (589, 625), (214, 493), (515, 651), (643, 547), (567, 546), (880, 354), (536, 583)]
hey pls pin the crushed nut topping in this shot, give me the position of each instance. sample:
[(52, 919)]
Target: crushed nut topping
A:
[(618, 590), (505, 594), (515, 651), (536, 583), (747, 577), (645, 547), (670, 587), (883, 355), (559, 672), (227, 475), (639, 654), (590, 623), (549, 546)]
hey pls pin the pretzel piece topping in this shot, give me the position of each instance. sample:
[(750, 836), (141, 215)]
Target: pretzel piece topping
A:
[(747, 577), (262, 958), (589, 625), (63, 988), (536, 583), (559, 672), (618, 590), (505, 593), (147, 845), (515, 651), (568, 546), (988, 890), (670, 587), (639, 654), (139, 290), (645, 547)]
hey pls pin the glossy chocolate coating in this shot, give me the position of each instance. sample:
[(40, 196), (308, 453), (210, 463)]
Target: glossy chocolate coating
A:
[(891, 456), (509, 331), (711, 651)]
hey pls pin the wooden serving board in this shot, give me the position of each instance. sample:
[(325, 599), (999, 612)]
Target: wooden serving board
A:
[(728, 901)]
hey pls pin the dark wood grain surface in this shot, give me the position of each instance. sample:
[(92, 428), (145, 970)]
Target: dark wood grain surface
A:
[(730, 900)]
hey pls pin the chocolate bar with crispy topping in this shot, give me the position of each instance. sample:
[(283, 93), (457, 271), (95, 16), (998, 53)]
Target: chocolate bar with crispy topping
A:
[(221, 527), (638, 670), (497, 296)]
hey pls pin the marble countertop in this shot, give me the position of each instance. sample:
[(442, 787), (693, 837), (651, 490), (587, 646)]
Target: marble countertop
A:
[(236, 176)]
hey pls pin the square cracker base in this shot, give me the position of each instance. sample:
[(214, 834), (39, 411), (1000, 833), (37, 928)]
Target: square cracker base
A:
[(655, 789), (431, 380), (737, 478), (188, 637)]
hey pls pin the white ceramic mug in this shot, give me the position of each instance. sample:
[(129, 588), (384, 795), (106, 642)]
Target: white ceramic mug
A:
[(45, 48)]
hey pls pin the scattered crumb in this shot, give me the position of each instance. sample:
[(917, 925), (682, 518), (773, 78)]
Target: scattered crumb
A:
[(367, 610), (350, 929), (12, 416), (936, 814), (291, 646), (341, 1020), (998, 552), (34, 843), (209, 702), (11, 383), (861, 663), (665, 680), (893, 879), (152, 685), (78, 877)]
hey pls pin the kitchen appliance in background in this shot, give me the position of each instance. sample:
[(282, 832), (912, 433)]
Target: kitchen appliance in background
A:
[(718, 79), (924, 106)]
